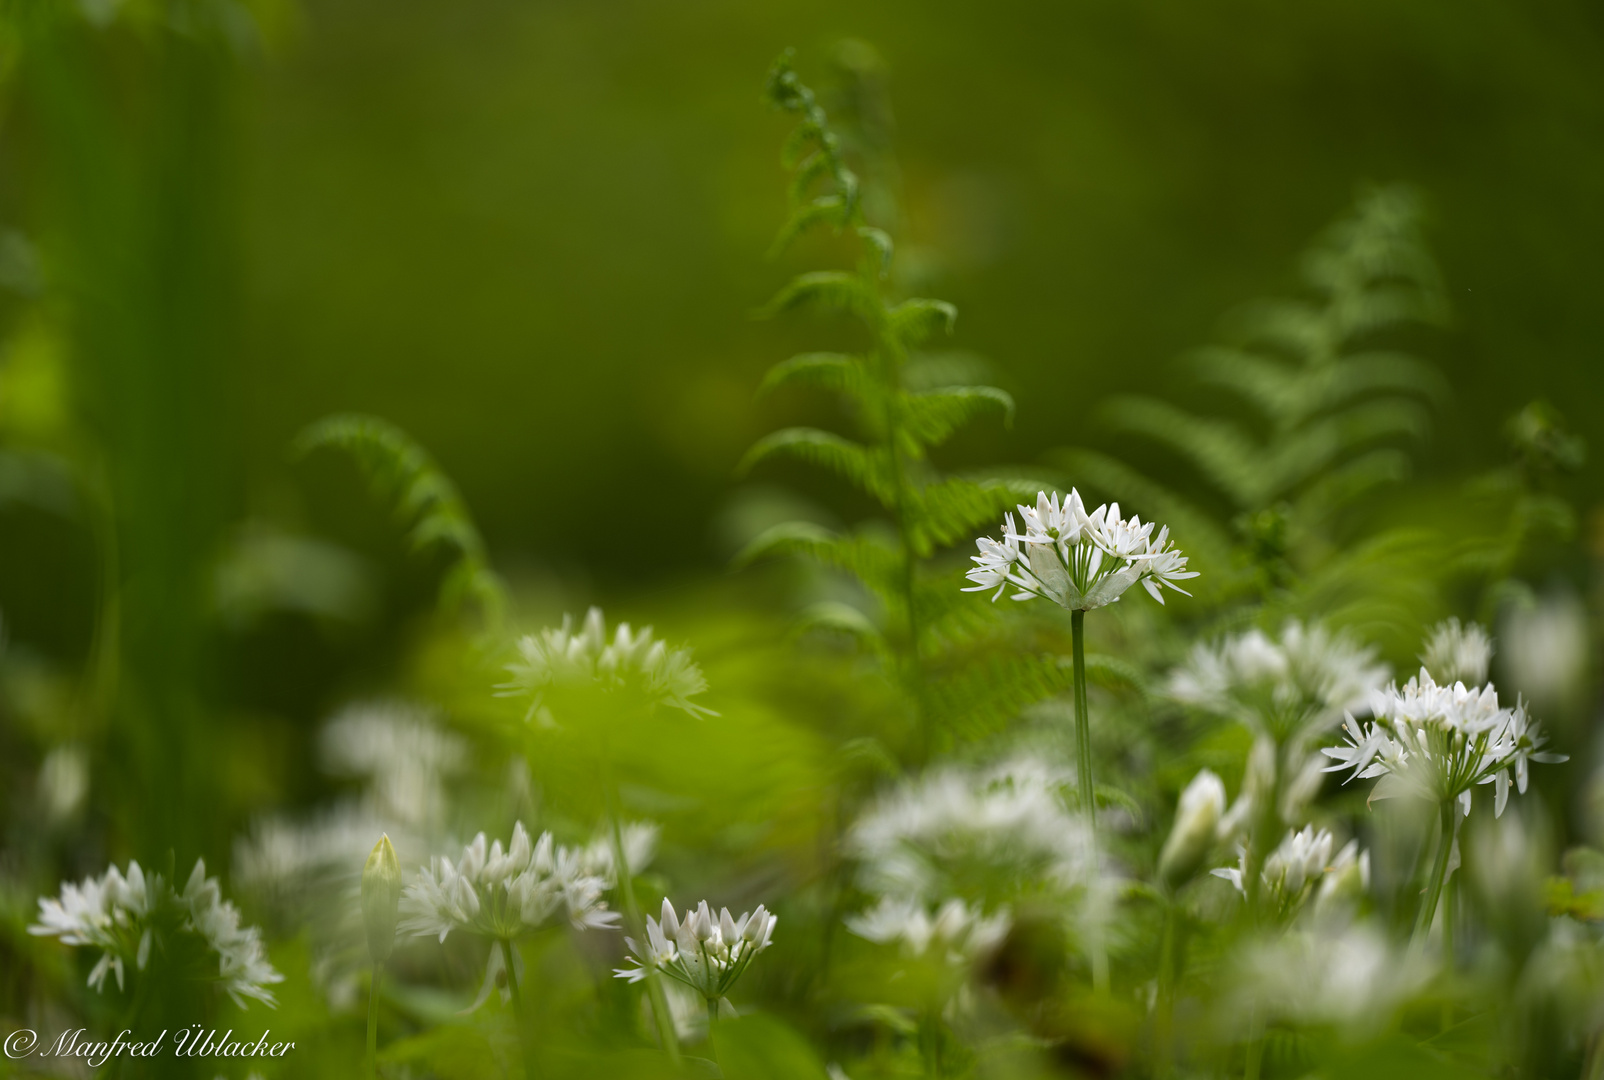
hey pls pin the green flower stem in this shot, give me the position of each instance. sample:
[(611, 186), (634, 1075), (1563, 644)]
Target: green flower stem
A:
[(525, 1036), (626, 883), (1439, 870), (1083, 727), (1169, 969), (373, 1023), (1083, 768), (712, 1026)]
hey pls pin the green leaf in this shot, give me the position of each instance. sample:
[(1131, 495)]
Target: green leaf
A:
[(834, 290), (839, 372), (831, 210), (869, 469), (760, 1047), (956, 509), (930, 418), (913, 321), (871, 560)]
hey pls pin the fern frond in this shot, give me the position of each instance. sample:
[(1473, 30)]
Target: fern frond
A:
[(833, 290), (931, 417), (916, 320), (1221, 449), (837, 372), (828, 210), (950, 510), (835, 616), (863, 555), (1291, 461), (401, 471), (868, 468), (983, 695), (1352, 479), (1380, 371)]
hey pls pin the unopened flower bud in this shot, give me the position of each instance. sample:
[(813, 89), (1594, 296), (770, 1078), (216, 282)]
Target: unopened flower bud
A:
[(381, 897), (1196, 819)]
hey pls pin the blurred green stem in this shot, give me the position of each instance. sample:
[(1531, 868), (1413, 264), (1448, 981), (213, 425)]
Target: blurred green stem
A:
[(1168, 973), (1083, 769), (637, 925), (373, 1024), (1439, 870), (519, 1016), (712, 1026), (1255, 1051)]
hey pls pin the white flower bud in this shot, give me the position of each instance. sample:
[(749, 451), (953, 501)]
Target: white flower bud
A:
[(1196, 818)]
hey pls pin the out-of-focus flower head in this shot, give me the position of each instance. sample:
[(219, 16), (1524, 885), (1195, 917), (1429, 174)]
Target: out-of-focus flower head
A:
[(1076, 559), (505, 894), (640, 847), (403, 753), (1439, 742), (1458, 652), (954, 931), (123, 915), (1197, 825), (707, 953), (1349, 977), (562, 656), (1300, 683), (989, 834)]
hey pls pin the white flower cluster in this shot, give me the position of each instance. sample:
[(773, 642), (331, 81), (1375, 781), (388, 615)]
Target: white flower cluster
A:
[(1002, 829), (1458, 652), (122, 914), (505, 894), (1303, 862), (1439, 742), (1346, 975), (705, 952), (404, 753), (957, 932), (559, 656), (1302, 682), (1076, 559)]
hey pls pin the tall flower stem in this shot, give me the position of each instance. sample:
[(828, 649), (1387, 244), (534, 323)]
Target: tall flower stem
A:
[(525, 1037), (373, 1024), (637, 925), (712, 1027), (1439, 870), (1083, 772), (1083, 724)]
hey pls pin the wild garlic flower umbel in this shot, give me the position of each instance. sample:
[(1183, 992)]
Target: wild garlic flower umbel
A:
[(126, 915), (955, 932), (1303, 864), (707, 953), (560, 656), (1458, 652), (1440, 742), (1301, 682), (1076, 559), (504, 895)]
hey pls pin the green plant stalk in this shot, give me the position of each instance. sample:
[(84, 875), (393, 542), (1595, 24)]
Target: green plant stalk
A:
[(712, 1026), (1083, 766), (654, 986), (373, 1024), (531, 1070), (1439, 870)]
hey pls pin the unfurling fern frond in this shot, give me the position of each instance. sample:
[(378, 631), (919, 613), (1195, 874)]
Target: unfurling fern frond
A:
[(403, 473), (900, 419), (1327, 410)]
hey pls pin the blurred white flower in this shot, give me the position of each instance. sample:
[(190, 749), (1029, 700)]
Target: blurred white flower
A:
[(1458, 652), (1197, 825), (988, 834), (1546, 649), (1300, 683), (505, 894), (560, 656), (707, 953), (404, 754), (63, 782), (1439, 742), (955, 931), (1076, 559), (1350, 977), (640, 847), (122, 914)]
